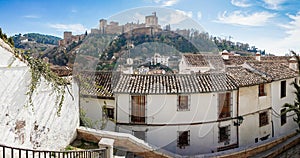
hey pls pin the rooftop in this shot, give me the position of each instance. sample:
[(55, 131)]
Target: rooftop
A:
[(244, 77), (174, 83), (95, 84), (274, 70)]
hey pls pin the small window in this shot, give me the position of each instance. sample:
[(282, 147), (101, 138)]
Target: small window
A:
[(224, 105), (183, 139), (224, 134), (283, 116), (261, 90), (263, 119), (140, 134), (283, 89), (110, 113), (183, 103)]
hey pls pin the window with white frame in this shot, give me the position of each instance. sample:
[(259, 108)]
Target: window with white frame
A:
[(261, 90), (183, 139), (183, 103), (224, 134), (263, 119)]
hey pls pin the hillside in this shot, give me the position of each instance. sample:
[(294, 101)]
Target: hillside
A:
[(104, 47), (35, 37)]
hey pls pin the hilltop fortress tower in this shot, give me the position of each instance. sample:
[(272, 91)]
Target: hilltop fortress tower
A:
[(151, 21)]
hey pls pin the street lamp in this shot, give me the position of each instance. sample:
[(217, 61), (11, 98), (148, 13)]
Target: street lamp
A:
[(239, 121)]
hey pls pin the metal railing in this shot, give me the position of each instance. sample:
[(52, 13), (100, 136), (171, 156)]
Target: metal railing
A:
[(13, 152)]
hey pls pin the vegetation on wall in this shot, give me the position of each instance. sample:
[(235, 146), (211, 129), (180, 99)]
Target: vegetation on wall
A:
[(85, 121), (296, 106), (40, 69)]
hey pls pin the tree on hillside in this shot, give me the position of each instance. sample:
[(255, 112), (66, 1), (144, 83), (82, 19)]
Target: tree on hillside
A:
[(296, 106), (11, 41)]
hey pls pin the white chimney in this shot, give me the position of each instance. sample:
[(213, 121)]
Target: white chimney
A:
[(293, 64), (225, 55), (257, 56)]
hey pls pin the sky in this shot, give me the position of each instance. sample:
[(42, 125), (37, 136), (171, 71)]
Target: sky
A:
[(271, 25)]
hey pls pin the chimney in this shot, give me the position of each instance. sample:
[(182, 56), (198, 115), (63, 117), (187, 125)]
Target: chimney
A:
[(293, 64), (257, 56), (225, 55)]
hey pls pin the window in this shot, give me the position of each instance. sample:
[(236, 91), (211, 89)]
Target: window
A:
[(224, 134), (183, 103), (140, 134), (261, 90), (110, 113), (263, 119), (282, 89), (282, 116), (224, 105), (183, 139), (138, 109)]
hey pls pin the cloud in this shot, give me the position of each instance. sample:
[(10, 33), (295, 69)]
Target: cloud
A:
[(239, 18), (185, 13), (175, 17), (73, 11), (199, 15), (282, 45), (292, 29), (273, 4), (75, 28), (166, 3), (31, 16), (240, 3)]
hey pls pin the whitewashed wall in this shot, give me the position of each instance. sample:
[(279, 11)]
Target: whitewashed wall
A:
[(36, 126), (93, 110), (204, 138), (162, 109), (277, 104), (250, 105)]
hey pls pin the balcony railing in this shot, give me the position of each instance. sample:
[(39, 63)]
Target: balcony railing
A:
[(13, 152), (137, 119)]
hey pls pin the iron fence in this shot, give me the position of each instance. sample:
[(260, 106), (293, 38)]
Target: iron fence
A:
[(13, 152)]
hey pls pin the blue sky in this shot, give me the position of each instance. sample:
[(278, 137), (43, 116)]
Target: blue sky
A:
[(273, 25)]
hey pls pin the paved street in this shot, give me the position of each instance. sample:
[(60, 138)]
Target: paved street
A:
[(294, 152)]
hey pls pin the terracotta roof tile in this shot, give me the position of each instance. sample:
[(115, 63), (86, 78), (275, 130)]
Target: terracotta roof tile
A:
[(244, 77), (274, 70), (174, 83), (95, 83)]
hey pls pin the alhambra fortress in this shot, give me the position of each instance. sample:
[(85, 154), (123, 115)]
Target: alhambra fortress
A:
[(191, 105)]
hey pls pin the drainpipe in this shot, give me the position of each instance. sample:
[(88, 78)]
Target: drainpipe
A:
[(116, 108), (237, 114)]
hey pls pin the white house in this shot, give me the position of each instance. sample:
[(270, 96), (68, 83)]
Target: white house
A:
[(233, 102), (281, 75), (157, 58), (254, 105), (200, 63), (184, 114), (96, 98)]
